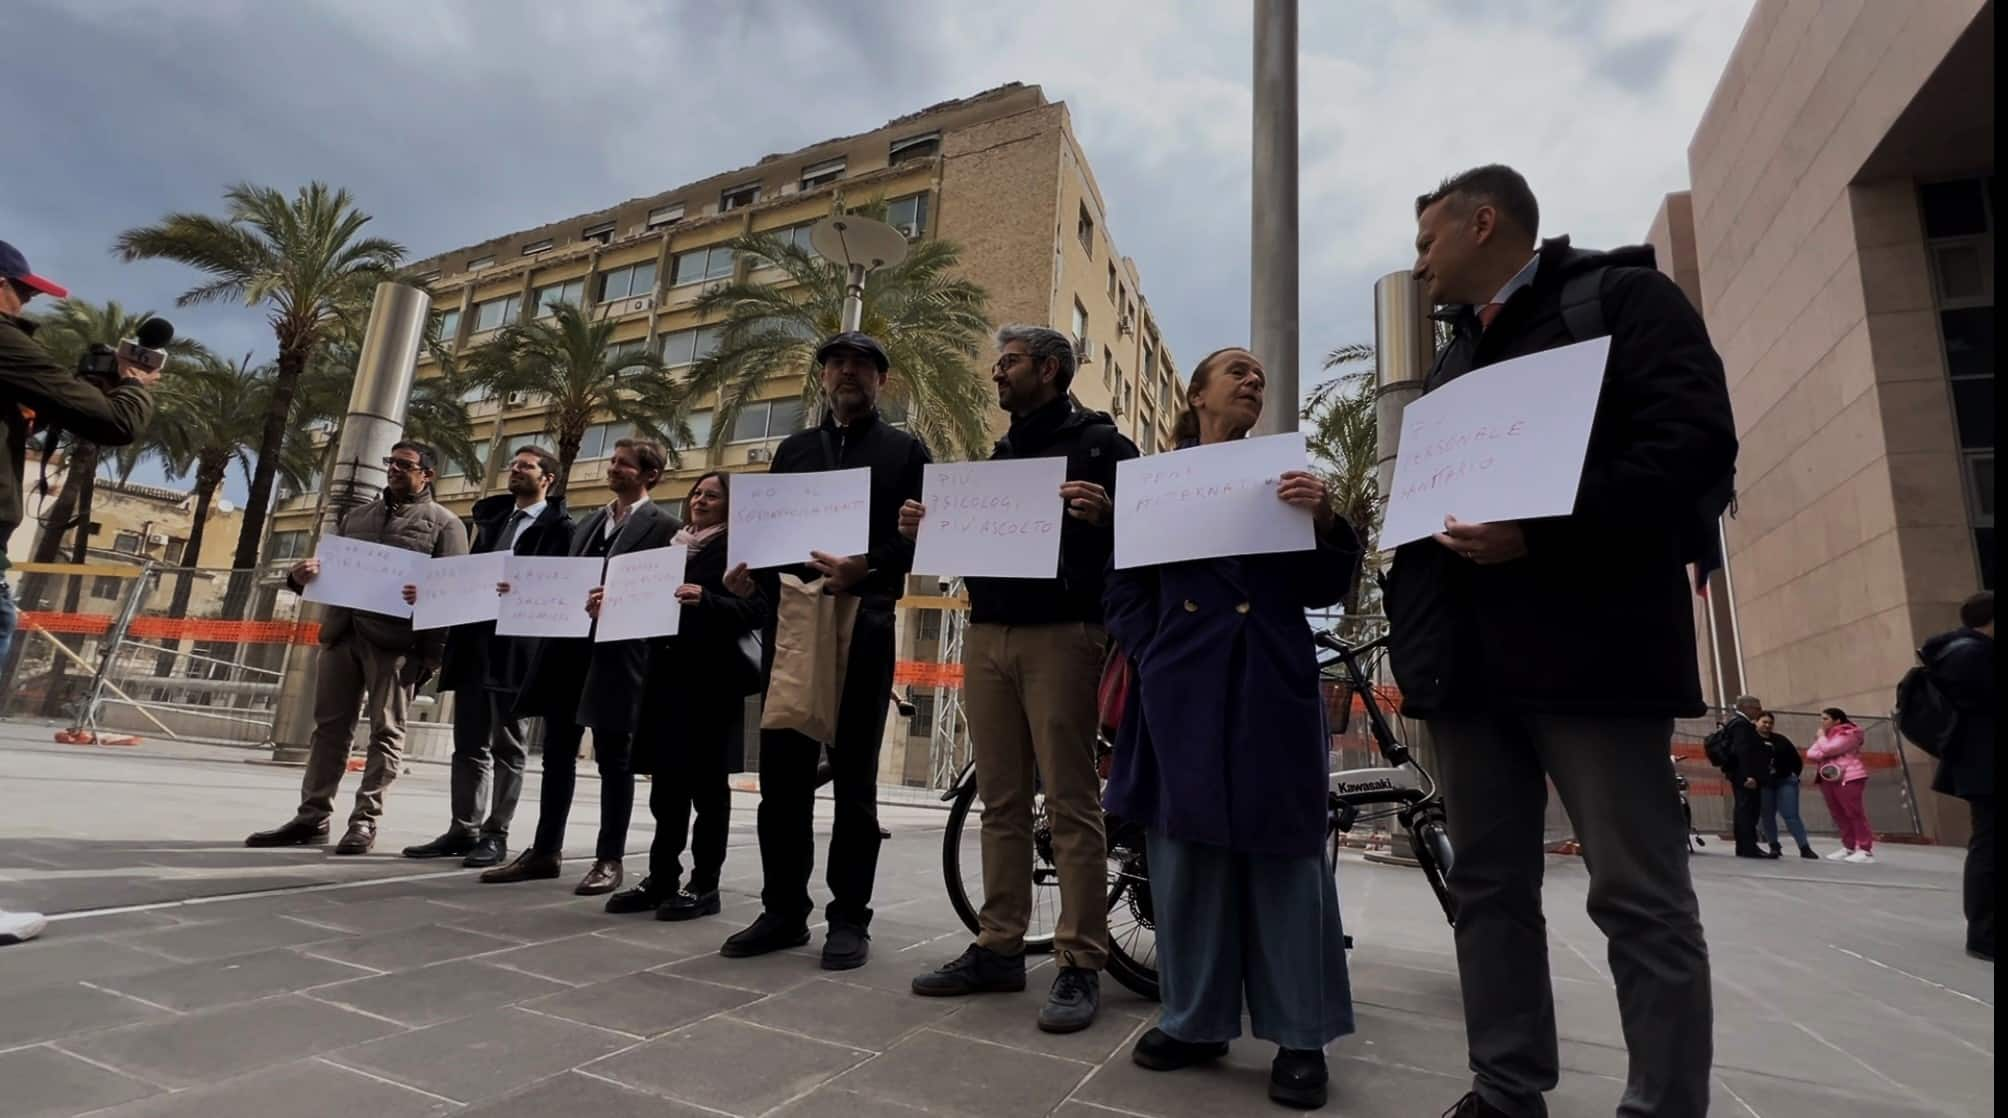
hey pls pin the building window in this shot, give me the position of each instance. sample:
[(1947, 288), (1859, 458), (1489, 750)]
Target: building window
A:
[(923, 717), (105, 587), (914, 147), (1080, 323), (620, 351), (1959, 234), (796, 235), (1109, 370), (627, 282), (688, 347), (930, 624), (480, 262), (535, 247), (699, 265), (448, 324), (908, 215), (665, 215), (549, 296), (127, 542), (1112, 283), (699, 423), (287, 545), (739, 197), (1085, 230), (768, 419), (599, 439), (497, 313), (822, 174), (603, 233)]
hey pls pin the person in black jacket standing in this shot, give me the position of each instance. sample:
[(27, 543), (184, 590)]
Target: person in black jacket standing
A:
[(1781, 793), (487, 671), (1963, 667), (1563, 649), (1031, 657), (853, 367), (1749, 769)]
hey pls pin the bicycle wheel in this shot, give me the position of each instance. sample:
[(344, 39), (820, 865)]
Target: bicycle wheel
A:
[(1432, 850), (962, 871), (1132, 919)]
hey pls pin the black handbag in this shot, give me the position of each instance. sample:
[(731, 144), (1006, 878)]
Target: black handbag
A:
[(748, 668)]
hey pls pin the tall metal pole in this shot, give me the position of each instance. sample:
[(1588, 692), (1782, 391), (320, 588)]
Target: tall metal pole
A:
[(854, 297), (1272, 272), (375, 420)]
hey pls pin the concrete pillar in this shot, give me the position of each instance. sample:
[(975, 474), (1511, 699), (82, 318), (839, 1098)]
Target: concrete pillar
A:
[(1272, 242)]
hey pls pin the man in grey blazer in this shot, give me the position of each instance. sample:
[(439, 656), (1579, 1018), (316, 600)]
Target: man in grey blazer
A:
[(578, 684)]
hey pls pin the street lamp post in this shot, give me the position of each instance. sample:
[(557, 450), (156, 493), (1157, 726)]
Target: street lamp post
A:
[(1272, 273), (375, 420), (860, 246)]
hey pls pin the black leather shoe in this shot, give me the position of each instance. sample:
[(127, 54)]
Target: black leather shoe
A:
[(1471, 1106), (1807, 852), (1159, 1051), (531, 865), (360, 838), (1297, 1078), (686, 905), (296, 833), (642, 898), (489, 850), (978, 970), (846, 947), (452, 844), (604, 877), (765, 935)]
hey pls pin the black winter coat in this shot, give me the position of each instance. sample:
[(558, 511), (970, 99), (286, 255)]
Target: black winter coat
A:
[(698, 666), (1092, 446), (895, 459), (1597, 617), (1786, 761), (475, 657), (1749, 756), (1964, 660)]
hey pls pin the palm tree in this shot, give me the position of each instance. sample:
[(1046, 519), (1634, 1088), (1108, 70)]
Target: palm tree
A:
[(1343, 436), (932, 321), (570, 359), (306, 261)]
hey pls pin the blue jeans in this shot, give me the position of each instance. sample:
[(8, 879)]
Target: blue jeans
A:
[(1781, 797), (9, 617)]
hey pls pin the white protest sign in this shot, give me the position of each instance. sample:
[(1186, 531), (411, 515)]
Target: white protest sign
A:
[(992, 519), (778, 519), (547, 596), (362, 575), (1505, 442), (640, 599), (1210, 501), (458, 590)]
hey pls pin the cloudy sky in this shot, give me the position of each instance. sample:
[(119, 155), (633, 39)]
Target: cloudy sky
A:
[(455, 120)]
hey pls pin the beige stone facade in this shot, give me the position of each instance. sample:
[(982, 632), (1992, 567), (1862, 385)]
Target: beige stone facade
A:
[(1838, 237)]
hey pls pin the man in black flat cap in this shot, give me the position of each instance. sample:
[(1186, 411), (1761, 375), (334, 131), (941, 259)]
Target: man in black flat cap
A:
[(853, 368)]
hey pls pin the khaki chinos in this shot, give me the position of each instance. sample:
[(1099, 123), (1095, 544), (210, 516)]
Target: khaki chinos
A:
[(349, 671), (1031, 692)]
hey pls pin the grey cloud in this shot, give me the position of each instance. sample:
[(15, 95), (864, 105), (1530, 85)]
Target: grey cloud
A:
[(1640, 65)]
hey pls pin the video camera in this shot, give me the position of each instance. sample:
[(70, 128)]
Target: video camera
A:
[(99, 363)]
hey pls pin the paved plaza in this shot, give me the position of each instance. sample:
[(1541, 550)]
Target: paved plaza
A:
[(187, 975)]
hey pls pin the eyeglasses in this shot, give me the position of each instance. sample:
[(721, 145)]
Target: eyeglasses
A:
[(402, 465), (1005, 362)]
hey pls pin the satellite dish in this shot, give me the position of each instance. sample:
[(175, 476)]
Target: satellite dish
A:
[(858, 242)]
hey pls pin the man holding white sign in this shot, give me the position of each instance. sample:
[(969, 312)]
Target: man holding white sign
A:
[(853, 367), (486, 671), (1031, 658), (1562, 647), (373, 655)]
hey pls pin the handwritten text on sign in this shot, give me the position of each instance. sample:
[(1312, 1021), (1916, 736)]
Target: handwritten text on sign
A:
[(779, 519), (1210, 501), (547, 596), (362, 575), (992, 519), (1505, 442), (641, 594), (458, 590)]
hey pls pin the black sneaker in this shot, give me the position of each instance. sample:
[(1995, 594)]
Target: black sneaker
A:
[(846, 946), (1160, 1051), (1071, 1005), (1807, 852), (686, 904), (642, 898), (1471, 1106), (764, 936), (1297, 1078), (978, 970)]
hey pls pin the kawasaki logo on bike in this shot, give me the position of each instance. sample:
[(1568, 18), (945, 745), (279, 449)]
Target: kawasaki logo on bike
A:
[(1367, 782)]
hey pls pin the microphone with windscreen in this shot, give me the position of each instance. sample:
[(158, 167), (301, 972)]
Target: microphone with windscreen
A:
[(148, 349)]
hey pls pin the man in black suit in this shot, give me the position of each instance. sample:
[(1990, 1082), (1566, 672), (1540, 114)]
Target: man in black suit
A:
[(486, 671), (1749, 769), (578, 683)]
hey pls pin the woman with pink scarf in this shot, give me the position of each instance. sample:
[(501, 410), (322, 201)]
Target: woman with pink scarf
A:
[(1842, 777)]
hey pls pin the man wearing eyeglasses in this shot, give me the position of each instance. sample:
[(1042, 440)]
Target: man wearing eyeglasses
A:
[(369, 656)]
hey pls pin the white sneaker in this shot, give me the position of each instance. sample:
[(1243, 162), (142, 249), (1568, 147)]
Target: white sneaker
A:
[(1861, 857), (19, 927), (1841, 855)]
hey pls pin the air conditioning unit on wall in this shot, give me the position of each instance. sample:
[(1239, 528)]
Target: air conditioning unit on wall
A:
[(759, 454)]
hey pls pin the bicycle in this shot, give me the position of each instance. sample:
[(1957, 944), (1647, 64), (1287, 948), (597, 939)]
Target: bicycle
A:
[(1402, 791)]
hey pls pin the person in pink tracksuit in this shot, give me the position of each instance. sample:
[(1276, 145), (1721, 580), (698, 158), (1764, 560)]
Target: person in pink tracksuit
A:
[(1842, 777)]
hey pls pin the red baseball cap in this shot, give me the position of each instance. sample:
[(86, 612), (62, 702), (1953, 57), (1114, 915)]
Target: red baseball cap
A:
[(14, 266)]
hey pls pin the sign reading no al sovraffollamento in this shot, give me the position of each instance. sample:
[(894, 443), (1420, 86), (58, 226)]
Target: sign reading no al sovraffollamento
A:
[(1505, 442), (777, 519)]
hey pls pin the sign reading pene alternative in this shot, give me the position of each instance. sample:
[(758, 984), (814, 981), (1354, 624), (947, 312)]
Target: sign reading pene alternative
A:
[(458, 590), (362, 575), (1210, 501), (1505, 442), (991, 519), (778, 519), (547, 596), (640, 596)]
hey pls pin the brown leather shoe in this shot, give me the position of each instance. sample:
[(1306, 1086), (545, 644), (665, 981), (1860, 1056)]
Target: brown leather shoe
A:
[(604, 877), (360, 838), (531, 865)]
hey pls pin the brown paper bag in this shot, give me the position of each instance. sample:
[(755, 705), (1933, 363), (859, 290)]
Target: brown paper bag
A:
[(812, 638)]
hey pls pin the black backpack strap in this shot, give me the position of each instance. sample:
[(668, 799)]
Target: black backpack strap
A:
[(1583, 305)]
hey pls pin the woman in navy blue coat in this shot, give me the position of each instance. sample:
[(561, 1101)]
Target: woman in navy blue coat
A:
[(1222, 756)]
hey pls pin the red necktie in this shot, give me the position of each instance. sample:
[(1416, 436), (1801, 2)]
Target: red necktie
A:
[(1487, 313)]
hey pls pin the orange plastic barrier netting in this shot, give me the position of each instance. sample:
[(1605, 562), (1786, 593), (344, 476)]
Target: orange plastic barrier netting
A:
[(923, 673), (178, 628)]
